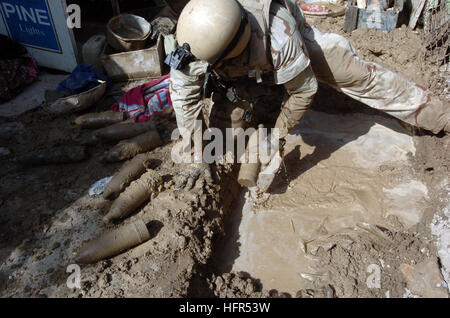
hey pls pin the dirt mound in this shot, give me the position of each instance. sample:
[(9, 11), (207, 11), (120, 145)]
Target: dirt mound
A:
[(236, 285)]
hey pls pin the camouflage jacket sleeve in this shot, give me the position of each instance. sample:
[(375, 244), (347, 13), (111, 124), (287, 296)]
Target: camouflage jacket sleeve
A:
[(289, 54), (292, 66), (186, 92)]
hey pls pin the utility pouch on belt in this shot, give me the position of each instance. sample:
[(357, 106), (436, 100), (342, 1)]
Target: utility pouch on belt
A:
[(213, 84), (208, 85), (180, 57)]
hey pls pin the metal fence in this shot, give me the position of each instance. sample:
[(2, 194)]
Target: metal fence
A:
[(436, 20)]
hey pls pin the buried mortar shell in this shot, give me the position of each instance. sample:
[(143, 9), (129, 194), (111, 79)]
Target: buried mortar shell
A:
[(129, 148), (113, 242), (124, 130), (127, 173), (98, 120), (250, 165), (137, 193)]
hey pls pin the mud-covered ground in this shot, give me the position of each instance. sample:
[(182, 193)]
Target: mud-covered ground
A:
[(47, 214)]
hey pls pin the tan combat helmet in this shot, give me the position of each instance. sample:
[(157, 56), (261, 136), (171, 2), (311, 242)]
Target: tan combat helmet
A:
[(214, 29)]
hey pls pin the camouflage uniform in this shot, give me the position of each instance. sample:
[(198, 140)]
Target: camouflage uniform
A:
[(300, 56), (335, 63)]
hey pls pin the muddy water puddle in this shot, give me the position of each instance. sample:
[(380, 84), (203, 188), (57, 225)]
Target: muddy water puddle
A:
[(342, 171)]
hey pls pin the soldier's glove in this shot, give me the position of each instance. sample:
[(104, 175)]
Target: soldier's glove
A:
[(271, 156), (191, 173), (269, 147)]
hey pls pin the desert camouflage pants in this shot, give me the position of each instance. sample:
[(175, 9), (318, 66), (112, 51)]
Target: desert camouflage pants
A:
[(335, 63)]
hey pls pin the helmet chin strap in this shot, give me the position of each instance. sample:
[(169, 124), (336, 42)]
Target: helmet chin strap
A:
[(235, 41)]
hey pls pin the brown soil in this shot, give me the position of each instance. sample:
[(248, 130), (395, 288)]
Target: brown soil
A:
[(46, 213)]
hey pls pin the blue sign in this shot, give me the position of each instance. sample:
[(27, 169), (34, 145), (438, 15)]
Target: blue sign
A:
[(30, 22)]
